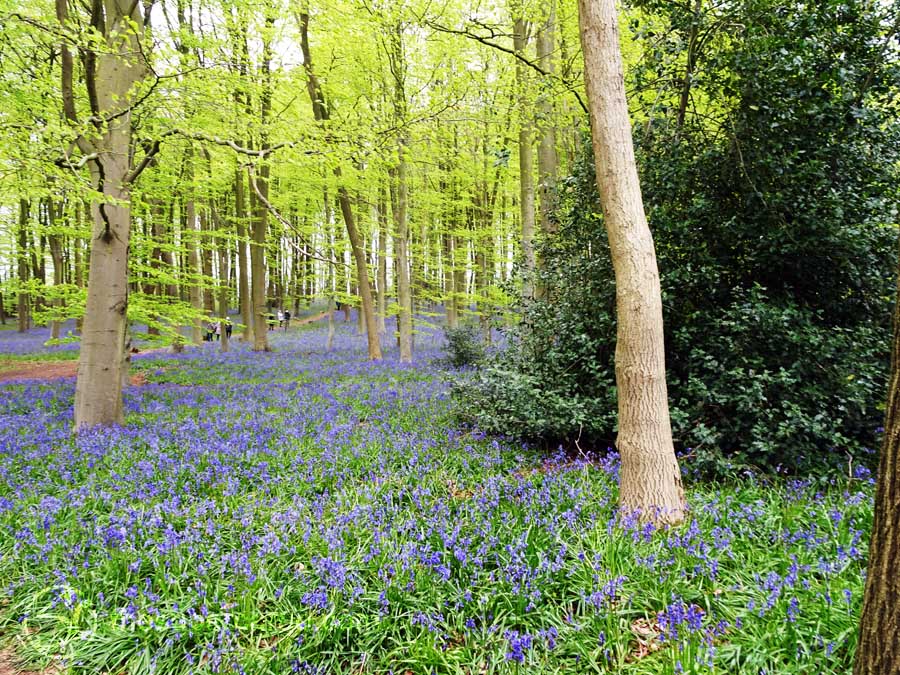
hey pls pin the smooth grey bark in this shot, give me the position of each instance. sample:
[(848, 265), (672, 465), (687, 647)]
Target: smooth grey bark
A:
[(111, 74), (526, 160), (548, 159)]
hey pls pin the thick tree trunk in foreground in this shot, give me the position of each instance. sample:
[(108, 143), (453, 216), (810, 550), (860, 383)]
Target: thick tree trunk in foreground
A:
[(111, 75), (650, 479), (877, 652)]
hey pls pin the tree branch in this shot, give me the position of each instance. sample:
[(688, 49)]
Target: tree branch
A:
[(512, 52)]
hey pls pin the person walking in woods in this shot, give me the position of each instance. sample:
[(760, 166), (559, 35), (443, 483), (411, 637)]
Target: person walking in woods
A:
[(228, 328), (218, 330), (210, 329), (287, 319), (272, 320), (280, 318)]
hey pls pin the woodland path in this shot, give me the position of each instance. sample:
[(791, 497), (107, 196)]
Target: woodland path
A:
[(56, 370)]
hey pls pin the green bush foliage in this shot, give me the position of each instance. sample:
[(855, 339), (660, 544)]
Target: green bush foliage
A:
[(464, 347), (775, 235)]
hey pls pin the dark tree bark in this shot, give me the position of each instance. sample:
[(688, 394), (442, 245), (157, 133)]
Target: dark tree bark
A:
[(878, 650)]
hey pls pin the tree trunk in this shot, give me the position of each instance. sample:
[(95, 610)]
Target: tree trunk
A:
[(240, 214), (382, 259), (321, 114), (548, 160), (879, 628), (362, 271), (79, 258), (191, 230), (650, 480), (223, 279), (56, 253), (22, 307), (401, 255), (526, 162), (258, 265)]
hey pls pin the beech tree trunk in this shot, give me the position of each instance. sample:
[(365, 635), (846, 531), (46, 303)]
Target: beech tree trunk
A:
[(650, 479), (258, 265), (526, 162), (401, 254), (321, 114), (191, 229), (55, 212), (110, 74), (22, 307), (879, 630), (548, 159), (382, 259), (240, 213)]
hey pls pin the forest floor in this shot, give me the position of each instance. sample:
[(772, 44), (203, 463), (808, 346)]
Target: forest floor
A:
[(304, 511)]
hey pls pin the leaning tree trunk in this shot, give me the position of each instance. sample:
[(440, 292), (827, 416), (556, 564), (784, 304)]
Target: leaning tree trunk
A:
[(650, 480), (322, 114), (879, 631)]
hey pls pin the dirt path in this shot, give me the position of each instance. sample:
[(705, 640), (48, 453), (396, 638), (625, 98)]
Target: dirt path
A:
[(309, 319), (8, 666), (56, 370)]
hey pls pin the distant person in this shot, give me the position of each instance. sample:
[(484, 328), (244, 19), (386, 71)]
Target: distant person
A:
[(272, 320), (228, 328), (287, 318), (210, 329), (218, 330)]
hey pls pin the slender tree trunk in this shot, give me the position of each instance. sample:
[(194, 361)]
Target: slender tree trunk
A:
[(240, 213), (362, 271), (382, 259), (321, 114), (260, 222), (223, 278), (548, 160), (206, 260), (877, 651), (79, 257), (401, 254), (526, 162), (22, 307), (56, 253), (650, 480), (191, 230), (258, 266)]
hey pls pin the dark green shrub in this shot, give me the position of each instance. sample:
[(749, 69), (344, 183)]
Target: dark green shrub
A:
[(465, 347), (776, 244)]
